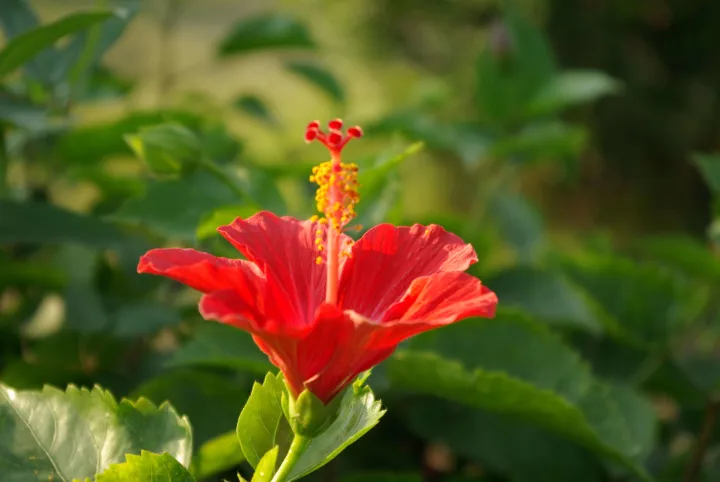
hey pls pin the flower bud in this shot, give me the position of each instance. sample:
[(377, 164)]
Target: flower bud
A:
[(307, 415)]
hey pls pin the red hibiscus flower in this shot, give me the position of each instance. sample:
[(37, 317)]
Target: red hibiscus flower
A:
[(322, 307)]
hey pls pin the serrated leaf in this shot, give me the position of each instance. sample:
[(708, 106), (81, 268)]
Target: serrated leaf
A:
[(541, 381), (268, 31), (496, 391), (217, 455), (359, 412), (25, 46), (320, 77), (147, 467), (166, 148), (546, 296), (79, 433), (222, 346), (256, 108), (262, 424), (572, 87), (267, 466)]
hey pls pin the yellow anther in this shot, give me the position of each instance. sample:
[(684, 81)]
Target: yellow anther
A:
[(318, 260)]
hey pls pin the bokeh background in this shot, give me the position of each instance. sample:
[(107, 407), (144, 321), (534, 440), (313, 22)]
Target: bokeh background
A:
[(574, 144)]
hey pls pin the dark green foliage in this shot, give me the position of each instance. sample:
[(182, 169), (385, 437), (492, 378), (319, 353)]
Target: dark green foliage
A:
[(602, 363)]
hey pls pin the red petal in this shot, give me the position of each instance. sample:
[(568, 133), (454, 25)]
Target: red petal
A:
[(387, 259), (200, 271), (432, 302), (284, 249)]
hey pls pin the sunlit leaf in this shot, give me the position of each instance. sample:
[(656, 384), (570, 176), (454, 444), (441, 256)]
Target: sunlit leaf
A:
[(80, 433), (218, 455), (147, 467)]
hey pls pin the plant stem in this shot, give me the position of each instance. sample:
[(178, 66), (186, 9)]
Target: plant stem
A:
[(297, 448), (703, 439)]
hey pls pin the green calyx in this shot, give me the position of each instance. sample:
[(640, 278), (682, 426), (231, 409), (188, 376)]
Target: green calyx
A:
[(308, 415)]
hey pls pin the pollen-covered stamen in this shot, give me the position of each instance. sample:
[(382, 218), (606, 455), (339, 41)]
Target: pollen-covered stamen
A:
[(336, 197)]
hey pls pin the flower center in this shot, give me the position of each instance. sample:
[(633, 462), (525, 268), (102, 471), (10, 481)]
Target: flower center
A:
[(336, 195)]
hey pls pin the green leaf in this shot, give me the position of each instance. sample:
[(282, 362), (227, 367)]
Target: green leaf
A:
[(22, 113), (79, 433), (219, 145), (268, 31), (256, 108), (221, 217), (709, 166), (547, 296), (36, 222), (320, 77), (646, 304), (166, 148), (684, 253), (191, 392), (27, 45), (570, 88), (221, 346), (91, 144), (262, 424), (515, 65), (501, 444), (585, 421), (468, 141), (519, 222), (147, 467), (547, 139), (267, 466), (217, 455), (174, 208), (359, 412), (540, 381)]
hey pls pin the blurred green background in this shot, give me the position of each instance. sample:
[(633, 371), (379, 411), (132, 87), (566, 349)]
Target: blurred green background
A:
[(574, 144)]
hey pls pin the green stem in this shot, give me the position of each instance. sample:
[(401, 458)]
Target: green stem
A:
[(297, 448), (222, 176)]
